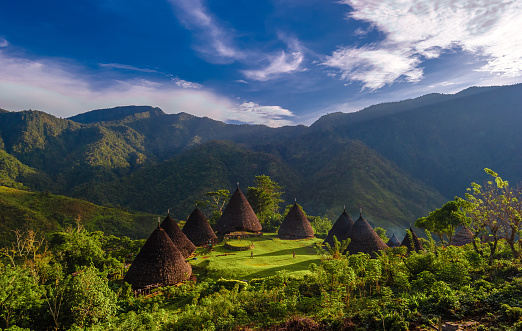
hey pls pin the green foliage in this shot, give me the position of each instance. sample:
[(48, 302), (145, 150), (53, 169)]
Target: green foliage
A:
[(381, 233), (443, 221), (265, 198), (19, 293), (88, 299), (321, 225), (494, 210)]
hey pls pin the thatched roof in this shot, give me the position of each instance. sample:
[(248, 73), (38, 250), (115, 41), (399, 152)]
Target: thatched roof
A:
[(198, 230), (462, 237), (238, 216), (295, 225), (364, 238), (393, 242), (412, 245), (185, 246), (159, 262), (340, 229)]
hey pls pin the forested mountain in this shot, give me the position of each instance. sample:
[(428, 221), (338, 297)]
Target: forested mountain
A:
[(394, 158), (444, 140)]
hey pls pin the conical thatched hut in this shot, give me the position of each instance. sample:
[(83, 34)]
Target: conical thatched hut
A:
[(295, 225), (364, 238), (462, 237), (198, 230), (393, 242), (185, 246), (238, 216), (413, 243), (159, 262), (340, 229)]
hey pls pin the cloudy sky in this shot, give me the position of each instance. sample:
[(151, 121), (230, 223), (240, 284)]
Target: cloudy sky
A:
[(274, 62)]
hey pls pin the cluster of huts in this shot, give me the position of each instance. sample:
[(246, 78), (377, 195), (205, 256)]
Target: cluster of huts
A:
[(363, 237), (162, 259)]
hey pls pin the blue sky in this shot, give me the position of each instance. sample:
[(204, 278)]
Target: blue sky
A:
[(273, 62)]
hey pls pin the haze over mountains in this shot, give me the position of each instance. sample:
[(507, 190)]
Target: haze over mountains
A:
[(399, 160)]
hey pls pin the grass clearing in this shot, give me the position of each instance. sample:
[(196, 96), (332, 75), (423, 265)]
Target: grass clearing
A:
[(270, 254)]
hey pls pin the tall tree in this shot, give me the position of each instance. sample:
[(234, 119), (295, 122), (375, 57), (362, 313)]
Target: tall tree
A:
[(265, 198), (443, 221), (495, 210)]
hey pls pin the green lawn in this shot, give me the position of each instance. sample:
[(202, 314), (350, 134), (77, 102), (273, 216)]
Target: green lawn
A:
[(271, 254)]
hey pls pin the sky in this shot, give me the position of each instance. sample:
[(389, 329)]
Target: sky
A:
[(272, 62)]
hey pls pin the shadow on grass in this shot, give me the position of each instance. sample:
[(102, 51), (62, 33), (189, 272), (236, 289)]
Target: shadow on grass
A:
[(307, 250), (299, 266)]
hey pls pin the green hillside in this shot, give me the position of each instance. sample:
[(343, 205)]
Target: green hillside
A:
[(392, 158), (45, 212)]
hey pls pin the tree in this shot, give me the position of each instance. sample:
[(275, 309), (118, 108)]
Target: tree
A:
[(495, 209), (212, 207), (443, 221), (265, 198), (19, 292), (88, 298), (382, 234)]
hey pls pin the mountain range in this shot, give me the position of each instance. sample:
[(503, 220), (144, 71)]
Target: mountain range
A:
[(397, 160)]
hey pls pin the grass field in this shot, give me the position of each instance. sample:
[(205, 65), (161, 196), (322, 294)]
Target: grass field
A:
[(271, 254)]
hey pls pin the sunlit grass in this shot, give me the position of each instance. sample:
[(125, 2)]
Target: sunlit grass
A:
[(270, 254)]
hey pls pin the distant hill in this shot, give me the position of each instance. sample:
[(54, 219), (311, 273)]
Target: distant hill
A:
[(443, 140), (117, 114), (400, 160), (44, 212)]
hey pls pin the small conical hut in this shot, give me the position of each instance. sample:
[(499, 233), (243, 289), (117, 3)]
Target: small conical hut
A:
[(393, 242), (295, 225), (413, 243), (462, 237), (238, 216), (185, 246), (159, 262), (363, 238), (198, 230), (340, 229)]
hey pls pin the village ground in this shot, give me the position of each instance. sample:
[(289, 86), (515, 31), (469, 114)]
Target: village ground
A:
[(270, 254)]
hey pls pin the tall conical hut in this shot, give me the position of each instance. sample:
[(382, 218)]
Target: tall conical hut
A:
[(363, 238), (393, 242), (340, 229), (295, 225), (412, 242), (185, 246), (159, 263), (198, 230), (238, 216)]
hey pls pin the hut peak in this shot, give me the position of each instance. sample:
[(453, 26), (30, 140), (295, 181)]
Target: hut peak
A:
[(159, 262), (364, 238), (185, 246), (295, 225), (198, 230), (238, 215)]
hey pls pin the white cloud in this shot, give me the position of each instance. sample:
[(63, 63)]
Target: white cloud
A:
[(186, 84), (373, 66), (253, 113), (125, 67), (424, 29), (212, 40), (3, 42), (57, 88), (280, 64)]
